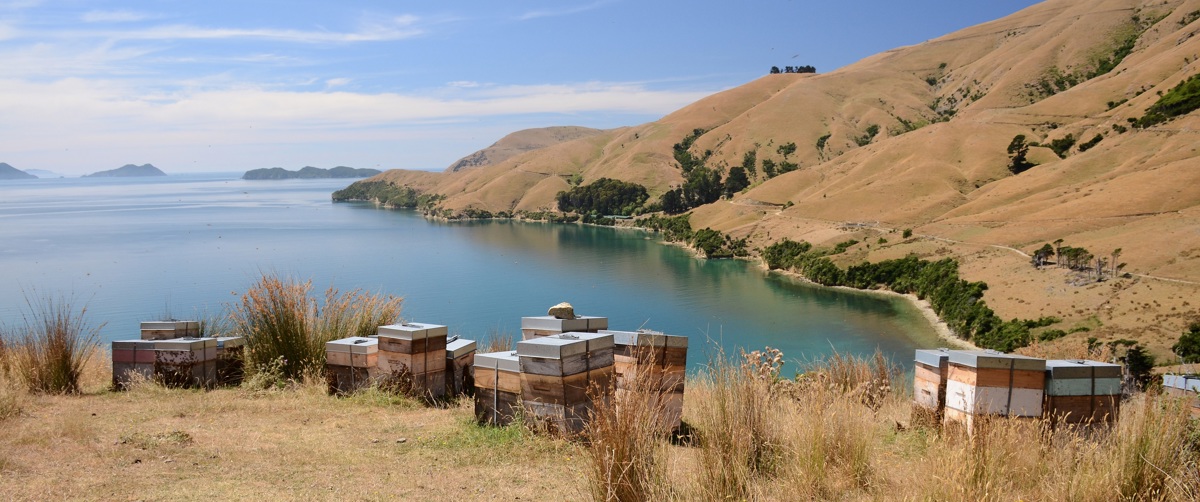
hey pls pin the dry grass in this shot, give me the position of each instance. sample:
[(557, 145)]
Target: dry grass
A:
[(754, 438), (286, 327), (48, 353), (626, 449)]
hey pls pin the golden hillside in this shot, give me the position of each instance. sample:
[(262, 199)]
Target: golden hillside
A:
[(520, 142), (944, 113)]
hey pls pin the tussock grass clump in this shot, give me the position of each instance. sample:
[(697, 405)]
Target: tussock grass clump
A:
[(495, 341), (55, 344), (738, 426), (627, 447), (285, 325)]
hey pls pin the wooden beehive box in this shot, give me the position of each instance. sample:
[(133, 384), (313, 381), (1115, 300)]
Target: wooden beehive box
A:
[(1184, 386), (929, 383), (169, 329), (1082, 392), (539, 326), (186, 362), (560, 376), (460, 356), (497, 387), (130, 358), (351, 364), (661, 361), (417, 351), (988, 383), (231, 360)]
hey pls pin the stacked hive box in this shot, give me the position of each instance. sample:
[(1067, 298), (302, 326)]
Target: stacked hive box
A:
[(987, 383), (1082, 392), (166, 330), (460, 356), (661, 361), (351, 364), (497, 387), (1184, 386), (416, 351), (534, 327), (186, 362), (929, 384), (558, 375), (130, 358), (230, 359)]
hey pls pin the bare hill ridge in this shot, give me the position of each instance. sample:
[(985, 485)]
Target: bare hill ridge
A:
[(917, 137), (520, 142)]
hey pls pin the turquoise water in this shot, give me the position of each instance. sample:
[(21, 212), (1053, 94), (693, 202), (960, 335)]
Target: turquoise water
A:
[(138, 249)]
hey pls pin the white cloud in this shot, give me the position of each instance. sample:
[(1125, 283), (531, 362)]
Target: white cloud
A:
[(336, 82), (536, 14), (114, 16), (463, 84)]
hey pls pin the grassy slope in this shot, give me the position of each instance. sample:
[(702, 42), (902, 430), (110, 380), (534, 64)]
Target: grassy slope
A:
[(948, 181)]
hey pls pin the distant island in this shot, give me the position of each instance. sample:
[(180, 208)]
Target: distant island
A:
[(42, 173), (128, 171), (308, 172), (8, 172)]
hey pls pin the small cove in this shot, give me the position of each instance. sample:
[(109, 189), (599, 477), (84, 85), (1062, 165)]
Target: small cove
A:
[(138, 249)]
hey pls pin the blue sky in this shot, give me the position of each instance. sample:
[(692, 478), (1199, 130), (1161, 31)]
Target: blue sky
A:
[(229, 86)]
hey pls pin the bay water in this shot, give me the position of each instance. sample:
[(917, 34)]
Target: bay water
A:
[(186, 246)]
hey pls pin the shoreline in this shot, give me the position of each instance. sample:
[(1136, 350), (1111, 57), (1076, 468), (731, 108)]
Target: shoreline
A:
[(939, 327)]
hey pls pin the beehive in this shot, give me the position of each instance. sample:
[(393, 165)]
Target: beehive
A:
[(186, 362), (988, 383), (560, 376), (230, 364), (497, 387), (1082, 392), (929, 384), (417, 351), (351, 364), (130, 358), (661, 361), (460, 355), (539, 326), (169, 329), (1184, 386)]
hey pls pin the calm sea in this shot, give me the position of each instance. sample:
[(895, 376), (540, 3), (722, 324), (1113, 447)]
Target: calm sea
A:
[(188, 245)]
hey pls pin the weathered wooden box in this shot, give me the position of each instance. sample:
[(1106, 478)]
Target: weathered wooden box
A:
[(561, 375), (186, 362), (132, 359), (231, 360), (539, 326), (417, 351), (988, 383), (1184, 386), (497, 378), (460, 356), (355, 352), (168, 329), (660, 360), (930, 370), (1082, 392), (351, 364)]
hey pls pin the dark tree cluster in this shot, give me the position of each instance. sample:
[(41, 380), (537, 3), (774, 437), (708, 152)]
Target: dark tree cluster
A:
[(1079, 259), (793, 69), (605, 196), (1018, 149), (958, 302), (703, 186)]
